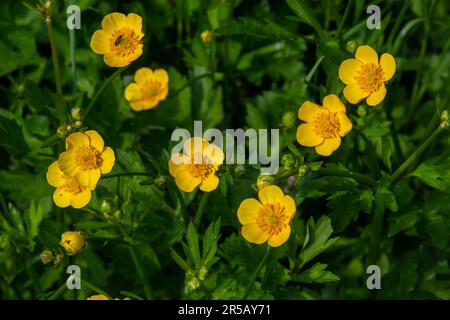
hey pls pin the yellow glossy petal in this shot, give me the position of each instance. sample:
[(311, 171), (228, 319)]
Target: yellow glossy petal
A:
[(271, 194), (96, 139), (134, 21), (136, 54), (186, 182), (248, 211), (328, 146), (210, 183), (149, 104), (61, 198), (214, 154), (280, 238), (345, 125), (308, 110), (143, 75), (376, 97), (81, 199), (195, 145), (348, 69), (306, 136), (333, 103), (176, 164), (100, 42), (109, 159), (162, 76), (114, 21), (132, 91), (366, 54), (137, 105), (387, 63), (88, 178), (77, 140), (290, 206), (55, 177), (97, 297), (252, 233), (67, 164), (354, 94), (113, 60)]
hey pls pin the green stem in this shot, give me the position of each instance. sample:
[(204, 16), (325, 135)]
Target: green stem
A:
[(255, 274), (95, 289), (127, 174), (72, 59), (137, 263), (293, 149), (58, 292), (102, 88), (178, 91), (55, 59), (415, 154), (344, 17), (200, 209), (348, 174)]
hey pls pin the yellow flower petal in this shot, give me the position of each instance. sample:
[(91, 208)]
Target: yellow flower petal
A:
[(109, 159), (252, 233), (328, 146), (174, 168), (271, 194), (77, 140), (96, 139), (88, 178), (387, 63), (306, 136), (195, 145), (290, 206), (210, 183), (280, 238), (114, 21), (333, 103), (348, 69), (132, 91), (97, 297), (61, 198), (248, 211), (366, 54), (143, 75), (162, 76), (345, 124), (354, 94), (134, 21), (55, 177), (67, 164), (100, 42), (186, 182), (81, 199), (376, 97), (308, 110), (113, 60), (214, 154)]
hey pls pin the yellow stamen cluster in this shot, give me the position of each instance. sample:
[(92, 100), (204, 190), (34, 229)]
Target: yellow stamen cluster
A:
[(370, 77), (272, 218), (326, 125)]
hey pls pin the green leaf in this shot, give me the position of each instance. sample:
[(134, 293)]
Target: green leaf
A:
[(366, 199), (33, 218), (179, 260), (344, 210), (317, 274), (386, 198), (209, 243), (306, 14), (193, 243), (11, 137), (403, 222), (435, 172)]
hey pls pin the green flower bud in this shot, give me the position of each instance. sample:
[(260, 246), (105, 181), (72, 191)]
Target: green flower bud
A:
[(46, 256), (302, 170), (288, 161), (62, 131), (264, 181), (202, 273), (78, 124), (351, 46), (361, 111), (190, 274), (193, 284), (288, 119), (206, 36), (76, 113), (105, 206), (444, 119)]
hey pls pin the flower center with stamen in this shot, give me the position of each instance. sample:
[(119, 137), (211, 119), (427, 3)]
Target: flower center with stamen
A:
[(200, 170), (370, 77), (124, 42), (272, 218), (72, 186), (151, 89), (88, 158), (326, 125)]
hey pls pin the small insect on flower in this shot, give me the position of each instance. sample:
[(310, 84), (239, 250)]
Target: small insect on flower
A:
[(197, 165), (86, 158), (365, 76), (148, 90), (268, 219), (73, 242), (119, 40), (325, 125)]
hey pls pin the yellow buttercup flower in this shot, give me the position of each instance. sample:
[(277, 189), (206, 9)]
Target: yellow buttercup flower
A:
[(68, 191), (86, 158), (97, 297), (119, 40), (325, 125), (197, 165), (73, 242), (149, 88), (269, 218), (366, 76)]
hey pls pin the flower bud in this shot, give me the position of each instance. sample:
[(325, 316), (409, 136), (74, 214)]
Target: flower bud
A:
[(202, 273), (361, 111), (76, 113), (264, 181), (288, 120), (58, 259), (445, 119), (73, 242), (351, 46), (206, 36), (46, 256), (78, 124), (288, 161), (193, 284), (62, 131), (105, 206), (302, 170)]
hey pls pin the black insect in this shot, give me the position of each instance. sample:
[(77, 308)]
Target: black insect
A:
[(118, 40)]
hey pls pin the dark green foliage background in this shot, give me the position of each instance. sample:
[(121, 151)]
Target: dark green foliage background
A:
[(267, 57)]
